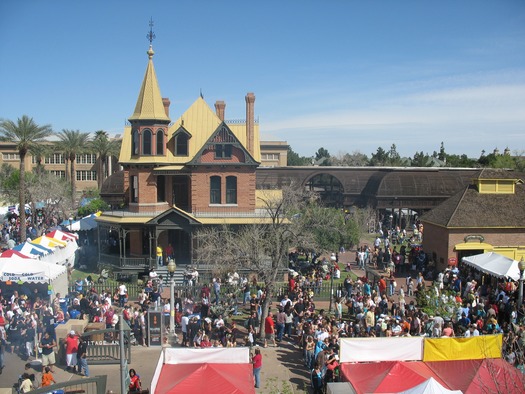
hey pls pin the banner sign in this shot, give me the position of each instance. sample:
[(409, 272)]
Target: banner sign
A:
[(24, 276)]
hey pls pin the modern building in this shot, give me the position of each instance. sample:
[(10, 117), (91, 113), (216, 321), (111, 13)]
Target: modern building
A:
[(488, 215)]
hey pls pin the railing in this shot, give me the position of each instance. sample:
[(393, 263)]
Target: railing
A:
[(103, 349), (96, 384), (321, 293), (139, 263)]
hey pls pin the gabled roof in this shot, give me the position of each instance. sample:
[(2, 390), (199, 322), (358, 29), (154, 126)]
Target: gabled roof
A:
[(200, 121), (471, 209), (149, 103)]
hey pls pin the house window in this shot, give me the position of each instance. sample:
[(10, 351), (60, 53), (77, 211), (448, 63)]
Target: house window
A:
[(161, 188), (160, 142), (223, 151), (134, 182), (215, 190), (135, 143), (231, 190), (181, 145), (146, 142)]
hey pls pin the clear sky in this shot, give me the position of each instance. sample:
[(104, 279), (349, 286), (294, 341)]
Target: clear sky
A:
[(344, 75)]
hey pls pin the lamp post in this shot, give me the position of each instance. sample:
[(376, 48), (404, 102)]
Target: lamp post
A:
[(171, 270), (521, 267), (332, 264)]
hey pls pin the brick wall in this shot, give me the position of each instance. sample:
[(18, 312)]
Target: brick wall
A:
[(200, 185)]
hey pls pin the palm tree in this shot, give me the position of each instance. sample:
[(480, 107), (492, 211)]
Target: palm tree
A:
[(25, 134), (105, 149), (72, 143)]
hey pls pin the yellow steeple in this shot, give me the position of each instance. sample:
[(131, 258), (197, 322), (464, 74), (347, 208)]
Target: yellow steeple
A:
[(149, 103)]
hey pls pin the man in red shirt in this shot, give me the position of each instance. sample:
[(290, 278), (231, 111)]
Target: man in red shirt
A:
[(382, 285), (269, 330), (71, 345)]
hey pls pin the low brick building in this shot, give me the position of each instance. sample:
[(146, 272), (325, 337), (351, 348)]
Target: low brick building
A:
[(487, 216)]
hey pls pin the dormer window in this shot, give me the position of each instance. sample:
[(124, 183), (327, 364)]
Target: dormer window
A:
[(181, 144), (223, 151)]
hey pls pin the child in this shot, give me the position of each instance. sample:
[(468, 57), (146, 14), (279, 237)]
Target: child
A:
[(411, 287), (47, 377)]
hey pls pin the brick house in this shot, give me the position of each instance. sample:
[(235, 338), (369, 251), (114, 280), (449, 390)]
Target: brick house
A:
[(179, 175)]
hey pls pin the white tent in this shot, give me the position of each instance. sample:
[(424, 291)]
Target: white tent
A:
[(430, 386), (34, 271), (494, 264)]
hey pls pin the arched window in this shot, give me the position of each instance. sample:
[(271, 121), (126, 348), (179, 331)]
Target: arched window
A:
[(135, 142), (215, 190), (231, 190), (160, 142), (146, 142), (181, 145)]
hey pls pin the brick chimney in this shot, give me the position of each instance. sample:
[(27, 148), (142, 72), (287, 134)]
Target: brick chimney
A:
[(166, 102), (220, 106), (250, 123)]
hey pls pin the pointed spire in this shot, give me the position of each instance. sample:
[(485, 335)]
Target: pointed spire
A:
[(149, 103)]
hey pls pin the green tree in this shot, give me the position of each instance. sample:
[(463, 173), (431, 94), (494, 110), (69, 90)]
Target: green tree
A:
[(380, 158), (105, 149), (293, 159), (461, 161), (95, 205), (442, 154), (25, 134), (321, 153), (421, 160), (73, 143)]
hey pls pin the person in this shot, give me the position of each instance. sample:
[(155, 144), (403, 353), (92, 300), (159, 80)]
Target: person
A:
[(217, 290), (257, 364), (122, 295), (3, 343), (169, 252), (317, 380), (159, 256), (26, 385), (71, 346), (82, 356), (134, 382), (269, 330), (48, 344), (47, 377)]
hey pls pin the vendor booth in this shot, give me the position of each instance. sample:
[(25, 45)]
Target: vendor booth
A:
[(494, 264), (470, 365), (25, 275), (217, 370)]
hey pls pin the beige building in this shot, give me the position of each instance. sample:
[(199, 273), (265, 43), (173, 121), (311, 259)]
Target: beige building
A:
[(86, 165)]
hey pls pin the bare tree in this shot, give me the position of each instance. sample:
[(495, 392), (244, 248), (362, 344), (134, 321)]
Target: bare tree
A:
[(263, 246)]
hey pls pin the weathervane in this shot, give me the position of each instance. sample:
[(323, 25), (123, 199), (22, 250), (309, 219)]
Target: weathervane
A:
[(150, 36)]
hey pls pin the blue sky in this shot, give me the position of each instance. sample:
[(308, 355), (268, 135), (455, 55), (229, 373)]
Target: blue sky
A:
[(344, 75)]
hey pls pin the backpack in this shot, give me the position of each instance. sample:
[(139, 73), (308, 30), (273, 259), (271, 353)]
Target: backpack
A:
[(246, 323)]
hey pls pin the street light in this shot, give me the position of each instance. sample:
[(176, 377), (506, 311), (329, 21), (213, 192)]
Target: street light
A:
[(171, 270), (521, 267), (333, 259)]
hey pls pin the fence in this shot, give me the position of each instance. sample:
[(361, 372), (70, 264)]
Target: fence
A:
[(321, 293), (94, 385)]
